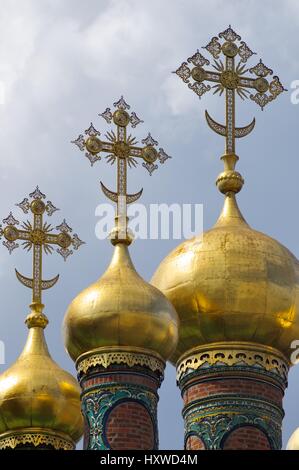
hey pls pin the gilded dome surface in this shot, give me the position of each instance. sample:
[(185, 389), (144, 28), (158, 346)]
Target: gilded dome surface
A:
[(36, 393), (232, 284), (120, 309), (293, 443)]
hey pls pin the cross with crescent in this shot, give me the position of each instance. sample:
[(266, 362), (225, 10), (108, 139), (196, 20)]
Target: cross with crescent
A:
[(122, 148), (230, 76), (38, 236)]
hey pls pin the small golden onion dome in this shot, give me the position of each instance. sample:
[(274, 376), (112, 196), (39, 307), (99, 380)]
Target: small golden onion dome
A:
[(293, 443), (120, 309), (232, 284), (35, 393)]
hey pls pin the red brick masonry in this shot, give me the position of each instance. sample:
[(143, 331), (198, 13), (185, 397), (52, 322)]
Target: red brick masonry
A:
[(229, 394), (130, 426), (246, 438)]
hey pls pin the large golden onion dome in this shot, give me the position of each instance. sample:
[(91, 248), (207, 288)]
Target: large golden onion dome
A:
[(120, 309), (39, 402), (232, 283)]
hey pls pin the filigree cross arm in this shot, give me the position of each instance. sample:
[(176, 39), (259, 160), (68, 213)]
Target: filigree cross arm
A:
[(38, 236), (228, 74)]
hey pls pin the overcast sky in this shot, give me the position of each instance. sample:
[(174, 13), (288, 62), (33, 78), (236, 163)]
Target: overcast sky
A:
[(62, 63)]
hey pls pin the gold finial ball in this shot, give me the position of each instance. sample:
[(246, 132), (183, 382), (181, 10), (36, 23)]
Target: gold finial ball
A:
[(11, 233), (229, 181), (230, 49), (261, 85), (121, 118), (36, 317), (198, 74), (149, 154), (64, 240), (93, 145), (37, 207), (121, 235)]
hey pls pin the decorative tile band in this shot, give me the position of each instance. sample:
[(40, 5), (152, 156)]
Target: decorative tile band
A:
[(232, 396), (233, 354), (213, 431), (120, 355)]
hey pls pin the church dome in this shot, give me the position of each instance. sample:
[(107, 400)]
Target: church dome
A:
[(293, 443), (37, 395), (120, 309), (232, 284)]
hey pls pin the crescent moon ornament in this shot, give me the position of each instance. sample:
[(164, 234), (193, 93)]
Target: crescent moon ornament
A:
[(243, 131), (28, 282), (50, 282), (215, 126), (221, 130), (130, 198), (110, 194), (134, 197)]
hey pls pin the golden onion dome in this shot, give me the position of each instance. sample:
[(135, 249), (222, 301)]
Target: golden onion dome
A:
[(293, 443), (37, 395), (120, 309), (232, 283)]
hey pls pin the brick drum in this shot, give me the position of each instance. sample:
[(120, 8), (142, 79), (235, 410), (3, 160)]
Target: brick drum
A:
[(129, 426), (194, 443), (246, 438), (215, 398)]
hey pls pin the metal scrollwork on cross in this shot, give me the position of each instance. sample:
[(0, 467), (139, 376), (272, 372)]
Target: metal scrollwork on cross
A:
[(39, 237), (230, 76), (121, 148)]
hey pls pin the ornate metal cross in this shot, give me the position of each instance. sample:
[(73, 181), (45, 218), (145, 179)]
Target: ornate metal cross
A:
[(38, 235), (122, 148), (230, 77)]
